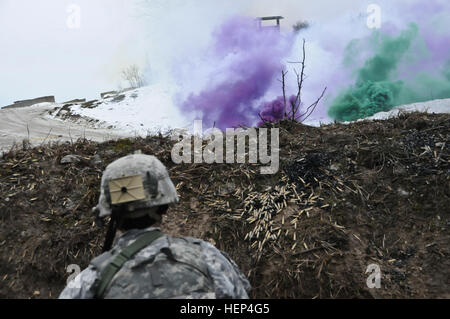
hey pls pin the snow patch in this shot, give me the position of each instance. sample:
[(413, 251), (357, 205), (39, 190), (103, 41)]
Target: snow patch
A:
[(150, 109), (435, 106), (153, 109)]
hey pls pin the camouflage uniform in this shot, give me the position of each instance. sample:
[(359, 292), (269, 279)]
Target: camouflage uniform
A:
[(168, 267), (185, 267)]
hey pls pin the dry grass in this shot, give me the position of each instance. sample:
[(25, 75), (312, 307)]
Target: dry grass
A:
[(346, 196)]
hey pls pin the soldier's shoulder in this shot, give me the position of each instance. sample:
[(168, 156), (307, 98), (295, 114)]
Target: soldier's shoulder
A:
[(188, 239), (100, 261), (205, 245), (81, 286)]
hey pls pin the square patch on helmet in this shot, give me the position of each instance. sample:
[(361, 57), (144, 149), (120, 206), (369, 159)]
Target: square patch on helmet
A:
[(126, 189)]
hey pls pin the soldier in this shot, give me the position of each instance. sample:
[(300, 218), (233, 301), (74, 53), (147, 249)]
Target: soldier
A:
[(144, 263)]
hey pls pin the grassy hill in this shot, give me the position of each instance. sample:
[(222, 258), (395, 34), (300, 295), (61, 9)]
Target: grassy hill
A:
[(345, 197)]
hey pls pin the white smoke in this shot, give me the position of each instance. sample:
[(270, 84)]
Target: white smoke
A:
[(44, 52), (41, 55)]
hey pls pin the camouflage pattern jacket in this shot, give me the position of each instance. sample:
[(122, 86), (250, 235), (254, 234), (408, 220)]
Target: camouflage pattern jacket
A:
[(195, 270)]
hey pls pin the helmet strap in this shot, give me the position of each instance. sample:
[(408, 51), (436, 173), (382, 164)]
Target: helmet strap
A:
[(110, 234)]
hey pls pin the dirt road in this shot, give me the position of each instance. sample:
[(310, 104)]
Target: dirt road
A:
[(33, 123)]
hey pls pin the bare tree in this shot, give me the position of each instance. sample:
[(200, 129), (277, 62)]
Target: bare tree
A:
[(295, 104), (133, 75)]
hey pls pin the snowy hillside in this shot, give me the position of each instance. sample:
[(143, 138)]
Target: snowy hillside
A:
[(435, 106), (139, 111), (153, 109)]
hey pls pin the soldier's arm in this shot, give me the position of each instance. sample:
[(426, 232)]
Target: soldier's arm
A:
[(229, 281), (80, 287)]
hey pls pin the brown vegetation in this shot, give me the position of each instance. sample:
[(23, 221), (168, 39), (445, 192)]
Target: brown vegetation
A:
[(346, 196)]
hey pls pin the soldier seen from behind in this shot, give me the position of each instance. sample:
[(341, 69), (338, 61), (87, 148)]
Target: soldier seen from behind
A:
[(145, 263)]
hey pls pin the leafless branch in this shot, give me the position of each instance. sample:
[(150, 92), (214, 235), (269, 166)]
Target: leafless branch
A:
[(262, 119), (312, 107), (300, 79), (49, 132), (283, 81), (134, 77), (297, 103)]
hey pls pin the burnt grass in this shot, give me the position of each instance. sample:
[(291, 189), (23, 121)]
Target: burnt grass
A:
[(345, 197)]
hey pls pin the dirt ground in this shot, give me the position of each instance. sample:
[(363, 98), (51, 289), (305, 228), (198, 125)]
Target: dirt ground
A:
[(345, 197)]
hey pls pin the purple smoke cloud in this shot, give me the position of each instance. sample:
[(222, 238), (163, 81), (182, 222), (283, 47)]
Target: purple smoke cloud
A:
[(272, 111), (253, 60), (275, 111)]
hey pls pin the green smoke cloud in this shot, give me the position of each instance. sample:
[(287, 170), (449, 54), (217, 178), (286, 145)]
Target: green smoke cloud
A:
[(379, 88)]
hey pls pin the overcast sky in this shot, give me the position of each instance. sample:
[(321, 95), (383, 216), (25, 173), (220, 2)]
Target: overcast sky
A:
[(44, 52)]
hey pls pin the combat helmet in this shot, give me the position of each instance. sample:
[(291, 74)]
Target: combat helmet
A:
[(135, 182)]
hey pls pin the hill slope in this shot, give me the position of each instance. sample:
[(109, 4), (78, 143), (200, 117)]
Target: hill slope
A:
[(346, 196)]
